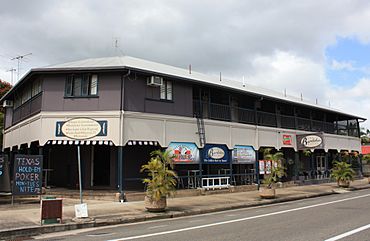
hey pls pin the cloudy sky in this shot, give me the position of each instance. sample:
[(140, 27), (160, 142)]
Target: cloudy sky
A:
[(318, 48)]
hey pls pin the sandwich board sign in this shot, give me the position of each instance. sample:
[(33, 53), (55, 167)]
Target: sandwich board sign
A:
[(27, 175)]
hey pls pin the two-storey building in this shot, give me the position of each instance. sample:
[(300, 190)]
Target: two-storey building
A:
[(119, 109)]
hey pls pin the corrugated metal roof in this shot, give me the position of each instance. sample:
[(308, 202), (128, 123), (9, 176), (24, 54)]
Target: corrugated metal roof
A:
[(150, 66)]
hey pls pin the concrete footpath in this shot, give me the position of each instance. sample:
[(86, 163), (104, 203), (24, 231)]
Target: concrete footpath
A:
[(23, 219)]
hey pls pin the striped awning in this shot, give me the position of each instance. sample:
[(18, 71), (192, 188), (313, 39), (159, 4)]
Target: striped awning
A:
[(142, 143), (78, 142)]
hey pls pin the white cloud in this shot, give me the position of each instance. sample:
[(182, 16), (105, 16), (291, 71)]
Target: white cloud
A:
[(296, 74), (342, 65)]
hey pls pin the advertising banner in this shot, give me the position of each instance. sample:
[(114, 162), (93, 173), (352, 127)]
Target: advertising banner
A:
[(310, 141), (184, 152), (4, 174), (244, 155), (215, 154), (27, 175), (262, 166)]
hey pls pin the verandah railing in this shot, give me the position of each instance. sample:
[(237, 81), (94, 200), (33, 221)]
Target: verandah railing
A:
[(224, 112)]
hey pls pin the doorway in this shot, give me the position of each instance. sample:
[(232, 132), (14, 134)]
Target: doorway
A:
[(100, 166)]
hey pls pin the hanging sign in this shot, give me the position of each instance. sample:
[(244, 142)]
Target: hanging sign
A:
[(4, 174), (310, 141), (215, 154), (81, 128), (244, 155), (27, 175), (184, 152), (287, 140)]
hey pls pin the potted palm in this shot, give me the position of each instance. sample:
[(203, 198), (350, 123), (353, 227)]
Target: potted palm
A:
[(161, 181), (277, 172), (342, 173)]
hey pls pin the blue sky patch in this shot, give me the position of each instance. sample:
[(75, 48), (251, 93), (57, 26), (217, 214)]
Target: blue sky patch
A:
[(347, 61)]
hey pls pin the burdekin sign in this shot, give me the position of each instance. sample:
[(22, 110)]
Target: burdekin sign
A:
[(310, 141)]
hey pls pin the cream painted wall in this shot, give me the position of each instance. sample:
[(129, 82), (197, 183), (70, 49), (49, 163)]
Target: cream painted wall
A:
[(42, 127), (164, 129)]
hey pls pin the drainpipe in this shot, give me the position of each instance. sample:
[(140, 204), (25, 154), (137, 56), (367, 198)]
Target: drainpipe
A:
[(257, 171), (120, 144)]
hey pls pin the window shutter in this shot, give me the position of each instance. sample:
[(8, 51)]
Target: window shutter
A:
[(169, 90), (69, 85), (77, 82), (94, 85), (163, 90)]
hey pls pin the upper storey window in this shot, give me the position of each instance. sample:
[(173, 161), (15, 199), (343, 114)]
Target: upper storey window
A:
[(81, 85), (166, 90)]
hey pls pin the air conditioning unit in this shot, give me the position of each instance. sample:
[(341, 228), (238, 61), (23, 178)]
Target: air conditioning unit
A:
[(154, 81), (7, 103)]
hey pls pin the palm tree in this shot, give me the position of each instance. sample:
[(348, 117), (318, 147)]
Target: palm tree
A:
[(161, 181), (277, 170), (342, 173)]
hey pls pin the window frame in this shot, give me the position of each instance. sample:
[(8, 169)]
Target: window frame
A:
[(166, 90), (86, 81)]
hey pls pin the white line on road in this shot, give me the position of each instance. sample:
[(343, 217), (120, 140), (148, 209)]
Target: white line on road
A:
[(158, 226), (196, 220), (343, 235), (238, 220)]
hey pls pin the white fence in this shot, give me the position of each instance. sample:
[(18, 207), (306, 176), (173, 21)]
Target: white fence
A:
[(215, 182)]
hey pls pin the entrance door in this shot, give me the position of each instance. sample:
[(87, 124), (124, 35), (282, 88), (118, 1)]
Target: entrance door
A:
[(320, 166), (101, 166)]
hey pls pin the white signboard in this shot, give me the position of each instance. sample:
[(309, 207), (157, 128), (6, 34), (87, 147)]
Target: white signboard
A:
[(81, 210)]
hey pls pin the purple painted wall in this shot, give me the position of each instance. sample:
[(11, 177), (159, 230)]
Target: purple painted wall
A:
[(142, 98), (108, 94)]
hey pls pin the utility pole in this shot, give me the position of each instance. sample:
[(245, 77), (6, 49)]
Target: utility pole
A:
[(19, 58), (12, 70)]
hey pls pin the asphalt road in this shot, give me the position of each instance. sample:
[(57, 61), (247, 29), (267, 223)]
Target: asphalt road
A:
[(345, 216)]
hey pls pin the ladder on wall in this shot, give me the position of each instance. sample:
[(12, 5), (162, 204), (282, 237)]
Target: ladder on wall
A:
[(201, 131)]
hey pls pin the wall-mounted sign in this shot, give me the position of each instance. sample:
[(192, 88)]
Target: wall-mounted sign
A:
[(310, 141), (4, 174), (27, 175), (81, 128), (244, 155), (184, 152), (287, 140), (215, 154)]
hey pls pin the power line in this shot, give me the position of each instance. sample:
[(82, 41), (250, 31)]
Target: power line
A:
[(19, 59)]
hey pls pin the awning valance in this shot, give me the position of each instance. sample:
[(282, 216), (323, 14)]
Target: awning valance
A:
[(79, 142)]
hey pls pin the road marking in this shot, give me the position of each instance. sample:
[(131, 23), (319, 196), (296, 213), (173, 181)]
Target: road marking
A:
[(158, 226), (99, 234), (343, 235), (238, 220), (196, 220)]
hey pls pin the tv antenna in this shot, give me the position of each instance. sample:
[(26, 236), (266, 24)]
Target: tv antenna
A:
[(19, 59), (115, 45), (12, 70)]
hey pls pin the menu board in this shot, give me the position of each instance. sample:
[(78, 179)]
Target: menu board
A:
[(4, 174), (27, 175)]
